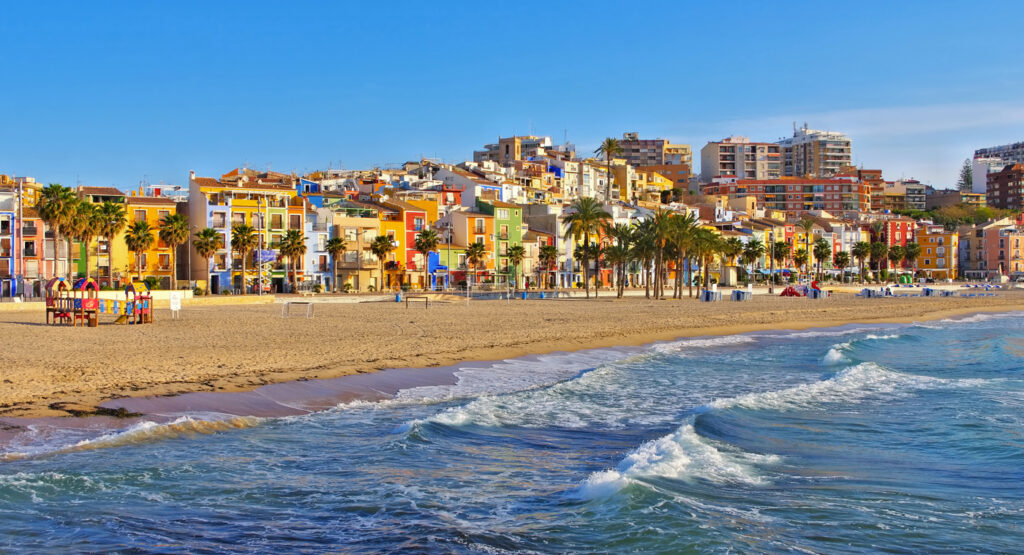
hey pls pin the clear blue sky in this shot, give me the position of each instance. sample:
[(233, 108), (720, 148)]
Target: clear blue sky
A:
[(106, 93)]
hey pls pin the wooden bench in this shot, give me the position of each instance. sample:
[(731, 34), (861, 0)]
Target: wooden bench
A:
[(286, 308), (424, 298)]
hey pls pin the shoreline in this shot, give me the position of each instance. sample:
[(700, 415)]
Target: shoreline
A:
[(235, 409), (803, 314)]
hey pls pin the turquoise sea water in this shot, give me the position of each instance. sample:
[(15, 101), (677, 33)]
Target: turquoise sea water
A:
[(905, 438)]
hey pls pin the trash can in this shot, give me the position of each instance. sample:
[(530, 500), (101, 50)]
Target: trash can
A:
[(398, 297), (542, 295), (524, 295)]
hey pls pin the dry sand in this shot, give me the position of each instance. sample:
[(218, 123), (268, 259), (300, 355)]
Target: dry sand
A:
[(46, 370)]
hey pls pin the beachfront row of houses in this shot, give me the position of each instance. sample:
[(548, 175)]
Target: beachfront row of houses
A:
[(522, 241)]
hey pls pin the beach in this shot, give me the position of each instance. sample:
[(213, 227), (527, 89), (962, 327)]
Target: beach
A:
[(58, 370)]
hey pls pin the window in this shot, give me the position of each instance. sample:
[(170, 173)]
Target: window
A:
[(351, 257), (462, 261), (237, 218), (162, 214), (219, 219), (479, 239), (142, 261), (503, 213), (417, 224), (295, 221), (504, 232), (140, 215), (479, 225), (321, 241), (351, 234), (276, 221), (369, 235), (164, 260), (503, 248), (391, 234)]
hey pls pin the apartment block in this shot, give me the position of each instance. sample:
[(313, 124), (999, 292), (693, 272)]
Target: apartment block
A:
[(798, 195), (738, 157), (814, 153), (1004, 188), (509, 149)]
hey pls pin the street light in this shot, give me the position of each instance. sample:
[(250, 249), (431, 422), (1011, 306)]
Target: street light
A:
[(771, 262)]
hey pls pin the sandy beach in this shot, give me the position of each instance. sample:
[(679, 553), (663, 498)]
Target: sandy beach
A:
[(54, 371)]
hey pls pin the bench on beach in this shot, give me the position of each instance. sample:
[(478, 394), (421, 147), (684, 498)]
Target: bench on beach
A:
[(424, 298), (286, 308)]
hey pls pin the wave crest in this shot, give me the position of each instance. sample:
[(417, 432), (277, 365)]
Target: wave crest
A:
[(683, 454)]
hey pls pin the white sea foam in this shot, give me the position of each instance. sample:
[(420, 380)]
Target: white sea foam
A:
[(683, 454), (850, 385), (683, 346), (837, 353), (140, 432)]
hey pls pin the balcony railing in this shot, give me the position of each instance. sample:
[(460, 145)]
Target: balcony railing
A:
[(29, 230)]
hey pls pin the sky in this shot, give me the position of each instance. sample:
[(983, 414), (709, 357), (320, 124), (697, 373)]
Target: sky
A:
[(108, 93)]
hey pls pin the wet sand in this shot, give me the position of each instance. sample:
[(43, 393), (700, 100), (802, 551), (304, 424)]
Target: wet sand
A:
[(55, 371)]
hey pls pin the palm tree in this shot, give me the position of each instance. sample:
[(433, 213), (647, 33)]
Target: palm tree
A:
[(139, 238), (895, 255), (336, 247), (243, 240), (842, 260), (608, 149), (661, 231), (548, 257), (85, 227), (207, 243), (861, 251), (619, 254), (807, 225), (381, 246), (426, 242), (822, 250), (707, 243), (586, 219), (878, 252), (292, 245), (57, 207), (752, 253), (516, 254), (174, 232), (476, 253), (910, 253), (112, 221), (644, 250), (681, 232), (780, 252), (800, 258)]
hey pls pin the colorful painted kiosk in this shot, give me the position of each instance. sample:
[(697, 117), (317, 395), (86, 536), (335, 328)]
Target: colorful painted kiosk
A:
[(70, 304)]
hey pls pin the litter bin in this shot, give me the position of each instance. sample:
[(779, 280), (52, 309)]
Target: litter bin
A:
[(398, 297), (524, 295), (543, 295)]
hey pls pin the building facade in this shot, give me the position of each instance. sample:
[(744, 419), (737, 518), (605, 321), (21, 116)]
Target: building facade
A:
[(738, 157), (1005, 189), (814, 153)]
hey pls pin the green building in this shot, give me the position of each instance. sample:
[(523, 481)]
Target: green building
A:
[(508, 230)]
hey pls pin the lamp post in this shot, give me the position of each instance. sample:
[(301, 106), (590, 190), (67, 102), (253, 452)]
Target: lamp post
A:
[(771, 262), (448, 258)]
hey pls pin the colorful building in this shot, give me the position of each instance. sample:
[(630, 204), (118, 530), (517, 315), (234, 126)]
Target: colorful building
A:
[(268, 202), (940, 250), (358, 224)]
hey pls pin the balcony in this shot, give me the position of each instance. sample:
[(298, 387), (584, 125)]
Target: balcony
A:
[(29, 231)]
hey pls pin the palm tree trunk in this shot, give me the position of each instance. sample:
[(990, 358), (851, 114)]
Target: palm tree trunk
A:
[(68, 240), (138, 264), (586, 260), (689, 277), (243, 272), (174, 270), (209, 275)]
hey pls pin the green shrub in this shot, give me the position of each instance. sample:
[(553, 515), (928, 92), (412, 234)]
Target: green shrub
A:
[(197, 292)]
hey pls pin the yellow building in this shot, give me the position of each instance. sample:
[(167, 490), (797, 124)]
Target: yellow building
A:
[(939, 251), (155, 261)]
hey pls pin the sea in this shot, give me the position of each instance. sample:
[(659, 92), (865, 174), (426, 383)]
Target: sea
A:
[(903, 438)]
